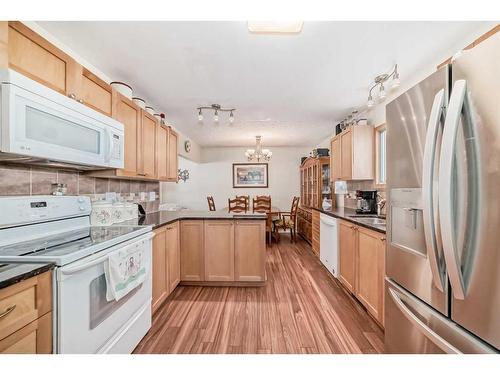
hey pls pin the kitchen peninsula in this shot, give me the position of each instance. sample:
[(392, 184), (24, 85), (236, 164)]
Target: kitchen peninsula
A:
[(205, 248)]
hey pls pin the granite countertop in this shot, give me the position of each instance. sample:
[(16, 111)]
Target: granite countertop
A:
[(345, 213), (11, 273), (160, 218)]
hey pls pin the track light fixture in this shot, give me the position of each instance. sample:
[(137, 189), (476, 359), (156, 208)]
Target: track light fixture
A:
[(379, 82), (216, 108)]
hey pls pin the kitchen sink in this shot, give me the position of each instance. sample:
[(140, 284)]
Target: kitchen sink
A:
[(371, 220)]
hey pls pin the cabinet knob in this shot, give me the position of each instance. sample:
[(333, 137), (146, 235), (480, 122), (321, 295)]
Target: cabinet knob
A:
[(382, 239), (72, 96), (80, 101)]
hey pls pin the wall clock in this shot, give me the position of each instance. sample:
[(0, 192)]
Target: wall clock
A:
[(187, 146)]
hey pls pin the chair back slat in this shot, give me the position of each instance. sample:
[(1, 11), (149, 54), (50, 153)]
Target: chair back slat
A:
[(239, 204), (211, 203)]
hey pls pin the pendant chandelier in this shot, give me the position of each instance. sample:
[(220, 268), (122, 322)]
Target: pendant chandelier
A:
[(258, 153)]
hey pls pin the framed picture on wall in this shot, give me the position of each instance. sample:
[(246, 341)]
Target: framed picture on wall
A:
[(248, 175)]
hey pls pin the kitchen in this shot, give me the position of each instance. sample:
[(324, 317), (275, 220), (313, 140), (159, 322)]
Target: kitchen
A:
[(132, 226)]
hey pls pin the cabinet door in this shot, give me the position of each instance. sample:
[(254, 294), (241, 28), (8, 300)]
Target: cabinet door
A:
[(35, 57), (173, 256), (371, 269), (94, 92), (315, 232), (192, 265), (346, 155), (347, 255), (250, 250), (34, 338), (161, 152), (336, 159), (219, 250), (172, 155), (160, 270), (148, 145), (126, 112)]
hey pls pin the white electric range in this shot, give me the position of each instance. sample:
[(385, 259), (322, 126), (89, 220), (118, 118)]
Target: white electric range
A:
[(49, 229)]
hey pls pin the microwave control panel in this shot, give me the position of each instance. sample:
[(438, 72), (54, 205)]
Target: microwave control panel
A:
[(117, 147)]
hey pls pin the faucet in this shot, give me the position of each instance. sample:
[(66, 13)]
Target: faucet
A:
[(380, 204)]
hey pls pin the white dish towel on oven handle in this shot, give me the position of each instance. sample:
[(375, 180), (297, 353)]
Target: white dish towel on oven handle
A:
[(125, 269)]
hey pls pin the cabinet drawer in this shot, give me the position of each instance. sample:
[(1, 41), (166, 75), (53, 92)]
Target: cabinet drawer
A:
[(22, 303), (34, 338)]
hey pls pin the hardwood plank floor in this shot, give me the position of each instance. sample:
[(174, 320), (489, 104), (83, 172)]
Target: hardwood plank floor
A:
[(301, 309)]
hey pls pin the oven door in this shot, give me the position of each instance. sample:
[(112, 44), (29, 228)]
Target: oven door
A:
[(86, 321)]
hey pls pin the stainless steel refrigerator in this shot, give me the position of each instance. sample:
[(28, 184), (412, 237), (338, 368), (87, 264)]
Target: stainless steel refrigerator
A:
[(442, 292)]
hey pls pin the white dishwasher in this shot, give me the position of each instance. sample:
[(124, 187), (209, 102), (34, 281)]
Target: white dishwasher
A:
[(328, 245)]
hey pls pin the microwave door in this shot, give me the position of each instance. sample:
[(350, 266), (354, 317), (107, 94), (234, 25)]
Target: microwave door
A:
[(44, 129), (414, 258), (469, 182)]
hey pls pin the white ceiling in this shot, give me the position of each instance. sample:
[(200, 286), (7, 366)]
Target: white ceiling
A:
[(290, 89)]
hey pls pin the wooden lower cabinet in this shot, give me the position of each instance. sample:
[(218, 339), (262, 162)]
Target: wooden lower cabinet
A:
[(371, 270), (304, 223), (315, 232), (362, 266), (160, 269), (347, 255), (219, 250), (166, 263), (250, 250), (173, 256), (26, 324), (192, 251)]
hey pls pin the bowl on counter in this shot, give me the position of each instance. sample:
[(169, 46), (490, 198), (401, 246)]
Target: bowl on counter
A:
[(122, 88), (150, 110)]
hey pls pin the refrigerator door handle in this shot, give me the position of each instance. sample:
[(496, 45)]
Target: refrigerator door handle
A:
[(430, 215), (421, 326), (458, 102)]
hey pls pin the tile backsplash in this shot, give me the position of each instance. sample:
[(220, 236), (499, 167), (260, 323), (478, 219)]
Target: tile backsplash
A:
[(26, 180), (352, 186)]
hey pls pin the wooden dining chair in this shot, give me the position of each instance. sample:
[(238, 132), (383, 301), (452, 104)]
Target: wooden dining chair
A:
[(261, 204), (288, 220), (247, 199), (211, 203), (237, 205)]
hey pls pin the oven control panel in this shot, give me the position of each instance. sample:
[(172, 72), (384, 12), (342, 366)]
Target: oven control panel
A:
[(16, 211)]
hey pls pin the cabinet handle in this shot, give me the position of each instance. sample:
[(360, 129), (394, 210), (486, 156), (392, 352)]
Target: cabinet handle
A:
[(72, 96), (382, 239), (7, 311), (141, 174), (80, 101)]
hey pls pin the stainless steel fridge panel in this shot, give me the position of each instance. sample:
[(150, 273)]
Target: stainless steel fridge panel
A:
[(477, 233), (407, 257), (412, 327)]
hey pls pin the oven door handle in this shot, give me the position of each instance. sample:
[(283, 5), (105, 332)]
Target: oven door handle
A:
[(86, 265)]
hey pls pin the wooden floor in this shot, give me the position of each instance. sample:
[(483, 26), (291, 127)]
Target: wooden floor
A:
[(302, 309)]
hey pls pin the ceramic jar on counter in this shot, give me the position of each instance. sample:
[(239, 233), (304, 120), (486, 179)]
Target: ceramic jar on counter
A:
[(102, 213)]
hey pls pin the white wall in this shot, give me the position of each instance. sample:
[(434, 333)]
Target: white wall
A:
[(213, 176)]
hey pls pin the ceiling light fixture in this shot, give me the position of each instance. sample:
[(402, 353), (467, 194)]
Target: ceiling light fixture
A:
[(379, 82), (216, 108), (258, 153), (275, 27)]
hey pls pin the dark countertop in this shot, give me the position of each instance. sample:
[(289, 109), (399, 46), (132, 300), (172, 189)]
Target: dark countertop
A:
[(345, 213), (160, 218), (11, 273)]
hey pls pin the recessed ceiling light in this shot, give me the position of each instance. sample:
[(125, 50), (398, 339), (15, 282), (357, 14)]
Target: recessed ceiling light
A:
[(272, 27)]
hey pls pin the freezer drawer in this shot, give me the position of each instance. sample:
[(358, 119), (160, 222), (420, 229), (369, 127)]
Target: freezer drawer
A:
[(412, 327)]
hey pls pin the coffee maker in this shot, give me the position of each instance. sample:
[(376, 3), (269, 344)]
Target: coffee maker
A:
[(367, 201)]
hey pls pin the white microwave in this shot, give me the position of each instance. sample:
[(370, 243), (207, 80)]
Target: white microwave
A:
[(43, 127)]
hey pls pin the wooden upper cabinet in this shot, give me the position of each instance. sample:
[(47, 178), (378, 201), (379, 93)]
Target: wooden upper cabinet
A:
[(353, 154), (173, 256), (162, 152), (160, 269), (36, 58), (94, 92), (347, 255), (219, 250), (173, 139), (192, 253), (250, 250), (371, 270), (126, 112), (149, 125)]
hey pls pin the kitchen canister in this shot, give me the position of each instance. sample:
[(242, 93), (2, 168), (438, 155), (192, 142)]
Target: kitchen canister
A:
[(102, 213), (119, 212), (131, 211)]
